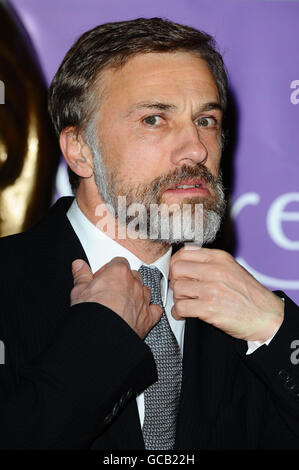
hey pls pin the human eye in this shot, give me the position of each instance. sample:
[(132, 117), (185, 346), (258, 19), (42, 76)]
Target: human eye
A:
[(152, 120), (206, 122)]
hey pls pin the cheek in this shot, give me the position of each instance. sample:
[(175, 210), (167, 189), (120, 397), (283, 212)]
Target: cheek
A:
[(214, 158), (130, 160), (144, 156)]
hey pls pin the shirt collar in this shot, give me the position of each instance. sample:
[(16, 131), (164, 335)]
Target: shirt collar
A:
[(90, 236)]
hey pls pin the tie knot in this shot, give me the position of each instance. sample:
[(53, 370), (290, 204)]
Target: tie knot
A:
[(152, 278)]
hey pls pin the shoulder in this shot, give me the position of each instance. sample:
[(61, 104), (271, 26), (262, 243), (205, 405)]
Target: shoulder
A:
[(19, 250)]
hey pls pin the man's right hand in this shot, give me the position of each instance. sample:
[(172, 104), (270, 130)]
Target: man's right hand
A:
[(119, 288)]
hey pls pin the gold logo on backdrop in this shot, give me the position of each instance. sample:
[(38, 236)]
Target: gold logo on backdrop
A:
[(29, 153)]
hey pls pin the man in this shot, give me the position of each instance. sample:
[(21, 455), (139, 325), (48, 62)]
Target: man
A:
[(135, 363)]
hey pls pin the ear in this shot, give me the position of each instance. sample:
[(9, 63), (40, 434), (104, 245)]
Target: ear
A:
[(76, 152)]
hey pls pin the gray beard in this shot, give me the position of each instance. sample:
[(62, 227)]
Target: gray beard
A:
[(212, 214)]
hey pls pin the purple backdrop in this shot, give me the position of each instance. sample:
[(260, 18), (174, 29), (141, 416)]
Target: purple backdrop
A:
[(259, 40)]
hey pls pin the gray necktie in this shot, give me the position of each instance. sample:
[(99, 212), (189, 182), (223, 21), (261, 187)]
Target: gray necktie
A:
[(161, 399)]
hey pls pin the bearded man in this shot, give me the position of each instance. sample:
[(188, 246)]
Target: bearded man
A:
[(140, 349)]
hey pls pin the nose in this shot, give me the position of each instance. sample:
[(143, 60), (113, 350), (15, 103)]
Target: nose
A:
[(188, 148)]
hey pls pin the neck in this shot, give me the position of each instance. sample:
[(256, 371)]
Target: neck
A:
[(96, 211)]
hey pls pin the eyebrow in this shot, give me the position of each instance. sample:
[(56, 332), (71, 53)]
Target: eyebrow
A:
[(210, 106)]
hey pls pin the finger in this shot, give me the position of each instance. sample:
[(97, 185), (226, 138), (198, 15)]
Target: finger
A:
[(156, 313), (187, 270), (81, 272), (204, 255), (192, 246), (147, 294), (185, 288), (99, 271), (186, 253), (210, 292), (137, 275), (119, 259), (189, 308)]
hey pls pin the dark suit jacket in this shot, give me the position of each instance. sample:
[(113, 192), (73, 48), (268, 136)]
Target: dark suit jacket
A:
[(71, 374)]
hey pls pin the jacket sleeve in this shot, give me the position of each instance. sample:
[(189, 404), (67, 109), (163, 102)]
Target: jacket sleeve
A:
[(277, 366), (71, 391)]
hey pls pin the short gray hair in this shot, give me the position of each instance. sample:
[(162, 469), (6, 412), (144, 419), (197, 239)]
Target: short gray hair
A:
[(71, 92)]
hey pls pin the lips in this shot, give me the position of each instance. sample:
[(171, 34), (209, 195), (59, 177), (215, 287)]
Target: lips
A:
[(189, 185)]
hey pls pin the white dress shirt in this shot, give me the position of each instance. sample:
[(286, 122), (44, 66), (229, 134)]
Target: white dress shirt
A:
[(100, 249)]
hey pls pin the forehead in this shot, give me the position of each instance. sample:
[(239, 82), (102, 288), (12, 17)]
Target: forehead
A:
[(175, 76)]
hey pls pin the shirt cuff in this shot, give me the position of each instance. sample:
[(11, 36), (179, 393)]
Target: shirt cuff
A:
[(254, 345)]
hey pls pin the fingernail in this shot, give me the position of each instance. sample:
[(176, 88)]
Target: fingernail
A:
[(192, 246), (76, 265)]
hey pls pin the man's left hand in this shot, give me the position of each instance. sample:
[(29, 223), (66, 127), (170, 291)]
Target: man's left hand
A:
[(209, 284)]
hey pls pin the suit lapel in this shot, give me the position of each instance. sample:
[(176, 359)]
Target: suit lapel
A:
[(58, 246), (205, 364)]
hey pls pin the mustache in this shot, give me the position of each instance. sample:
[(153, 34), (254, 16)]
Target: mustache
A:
[(162, 183)]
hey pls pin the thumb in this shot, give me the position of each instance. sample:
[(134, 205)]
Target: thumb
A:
[(81, 272), (156, 312)]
